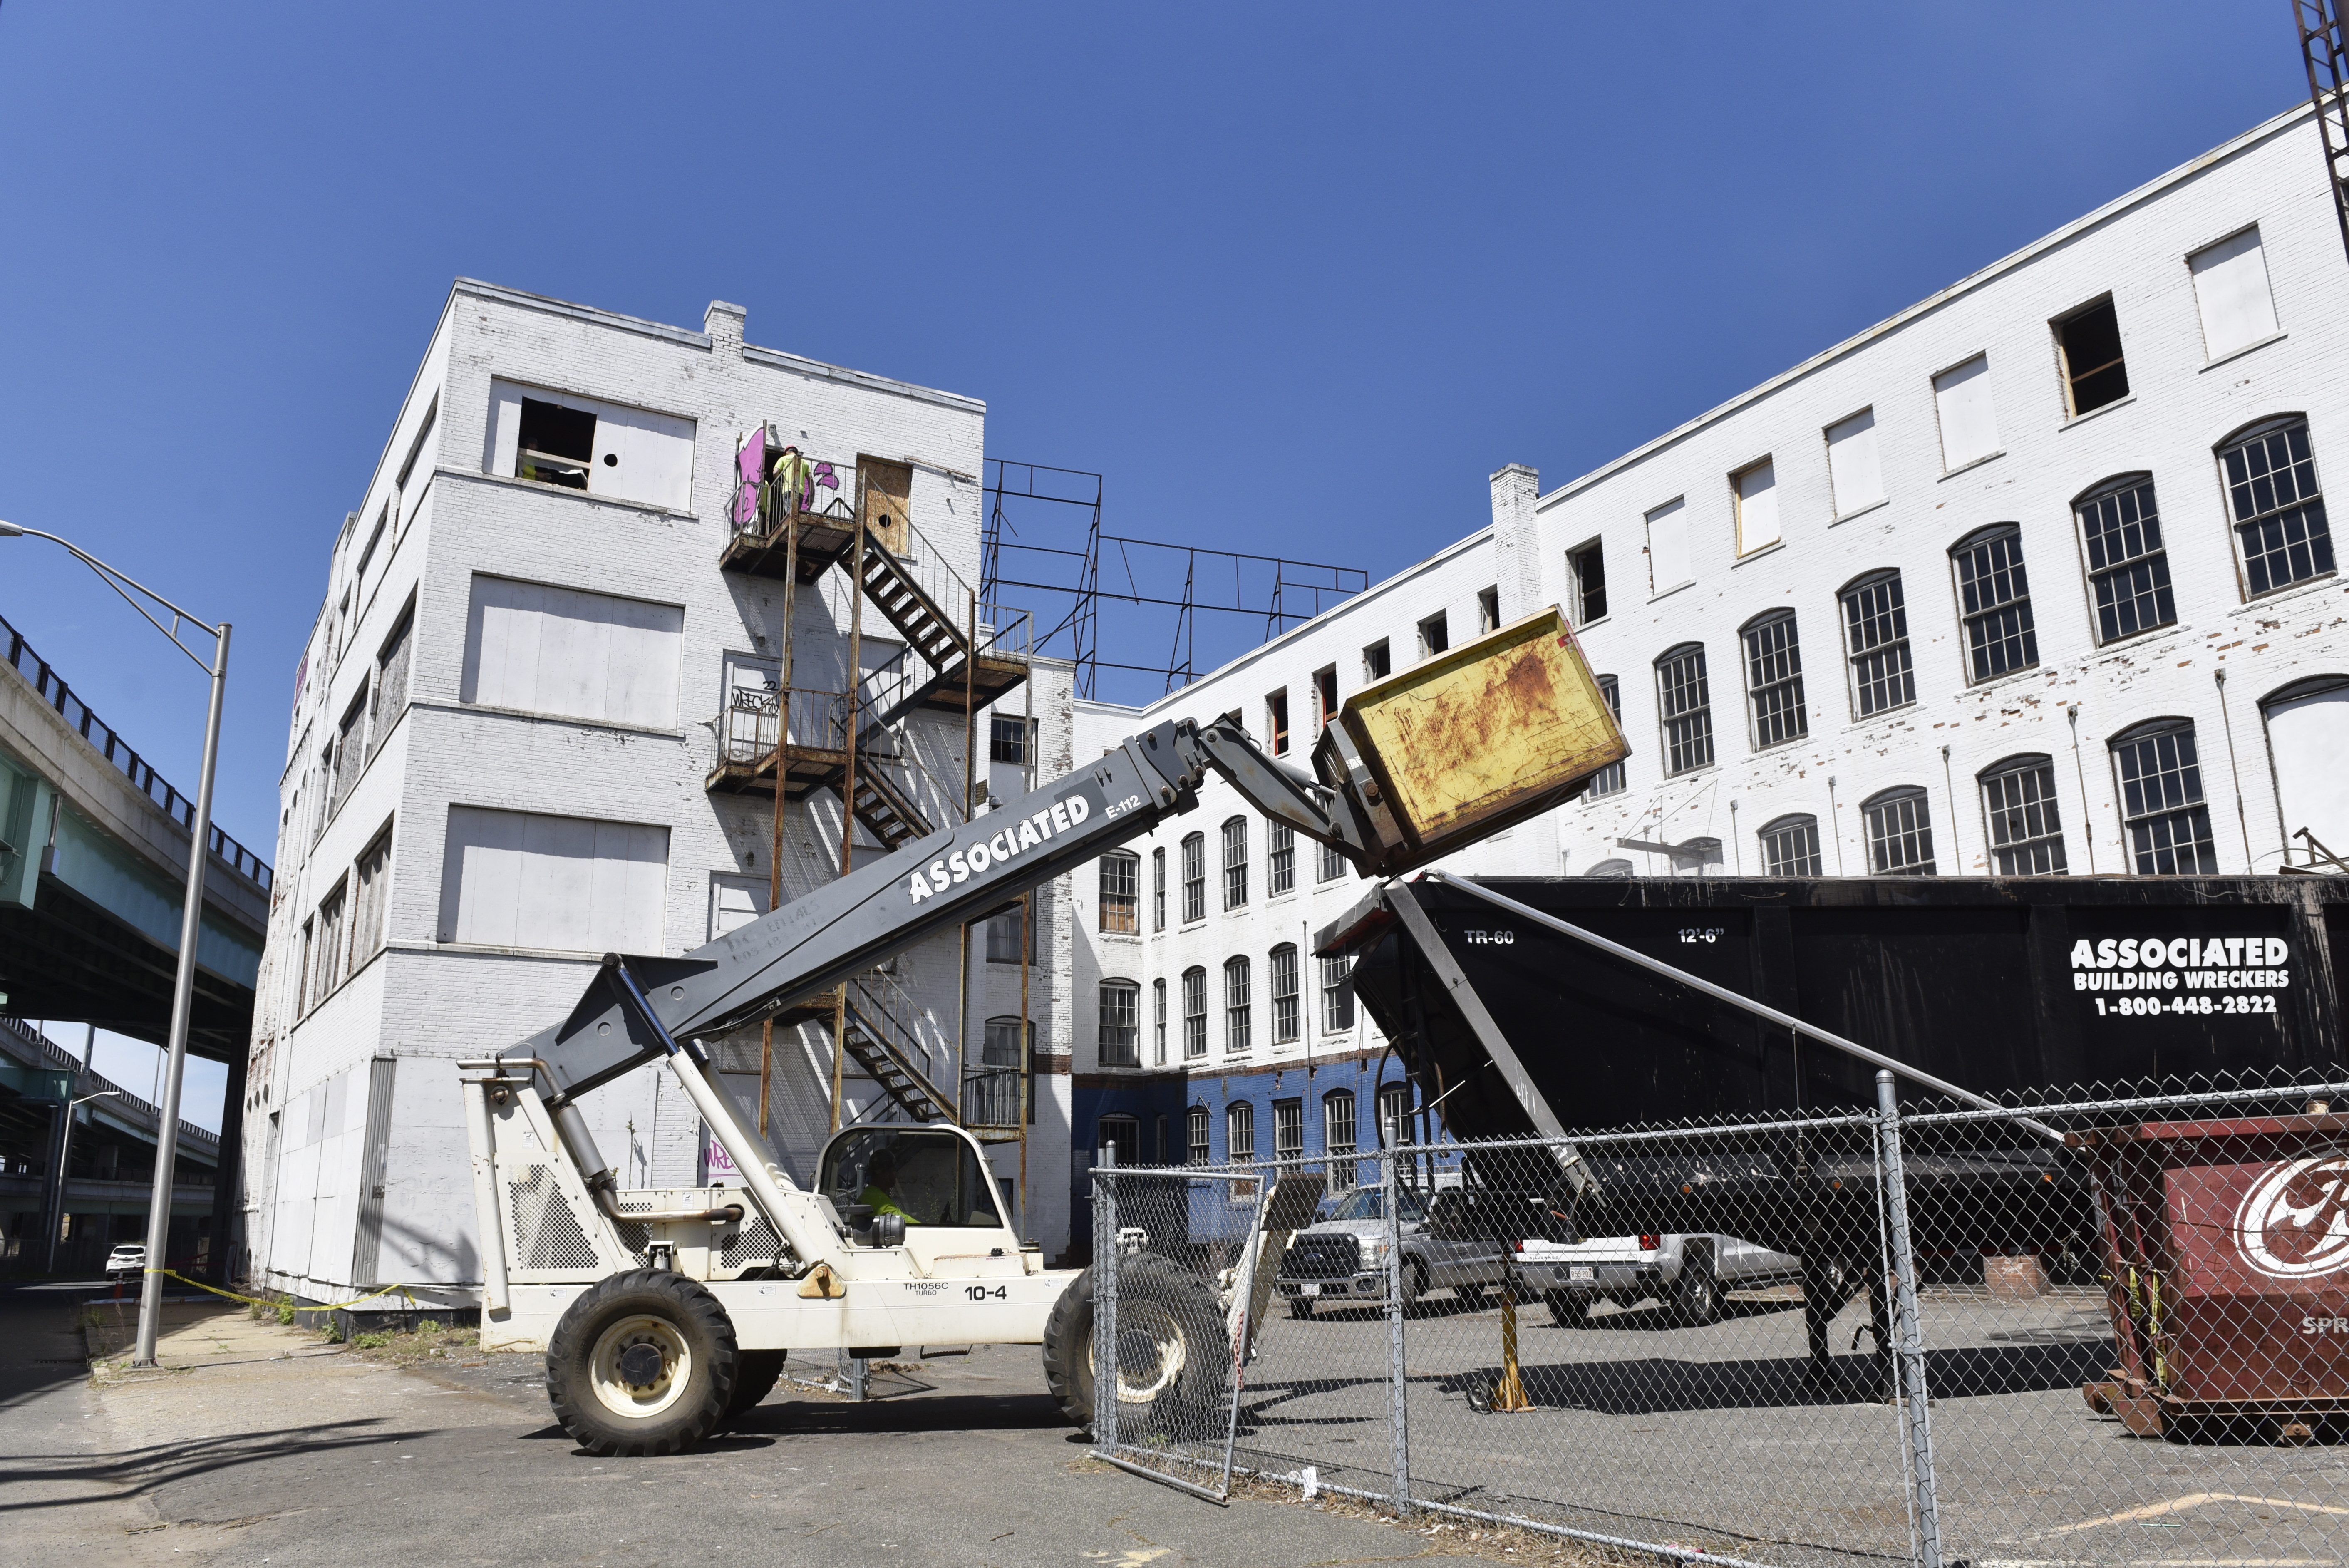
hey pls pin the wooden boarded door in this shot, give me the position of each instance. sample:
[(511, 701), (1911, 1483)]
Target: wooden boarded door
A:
[(886, 494)]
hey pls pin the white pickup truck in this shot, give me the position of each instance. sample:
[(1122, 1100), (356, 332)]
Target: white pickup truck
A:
[(1341, 1259), (1688, 1274)]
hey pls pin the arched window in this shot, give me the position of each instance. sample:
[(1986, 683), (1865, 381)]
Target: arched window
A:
[(1994, 601), (1697, 857), (1287, 1023), (1234, 862), (1235, 1005), (1121, 893), (1158, 1022), (1240, 1131), (1394, 1114), (1790, 846), (1610, 778), (2128, 569), (2304, 723), (1876, 644), (1337, 993), (1195, 1012), (1121, 1024), (2162, 812), (1338, 1136), (2277, 508), (1195, 1127), (2026, 831), (1194, 877), (1158, 890), (1774, 680), (1609, 868), (1684, 705), (1900, 833)]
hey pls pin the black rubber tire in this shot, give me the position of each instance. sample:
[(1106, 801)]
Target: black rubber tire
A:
[(756, 1373), (693, 1314), (1415, 1284), (1189, 1302), (1068, 1339), (1567, 1310), (1301, 1306), (1473, 1298), (1696, 1296)]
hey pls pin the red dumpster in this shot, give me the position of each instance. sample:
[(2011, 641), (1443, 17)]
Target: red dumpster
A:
[(2226, 1250)]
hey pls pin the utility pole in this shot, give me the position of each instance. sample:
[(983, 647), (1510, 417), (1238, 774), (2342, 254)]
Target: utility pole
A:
[(192, 924)]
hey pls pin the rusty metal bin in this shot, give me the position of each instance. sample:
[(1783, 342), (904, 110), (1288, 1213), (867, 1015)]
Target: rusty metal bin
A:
[(1465, 743), (2226, 1252)]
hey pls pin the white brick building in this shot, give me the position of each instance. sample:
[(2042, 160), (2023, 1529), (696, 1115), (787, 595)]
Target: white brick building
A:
[(517, 743), (1778, 592)]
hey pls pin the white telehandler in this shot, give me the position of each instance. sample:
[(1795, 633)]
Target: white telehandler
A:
[(664, 1313)]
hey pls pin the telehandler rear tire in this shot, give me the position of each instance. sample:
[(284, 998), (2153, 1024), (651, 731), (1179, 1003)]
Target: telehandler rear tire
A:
[(644, 1362), (1175, 1353)]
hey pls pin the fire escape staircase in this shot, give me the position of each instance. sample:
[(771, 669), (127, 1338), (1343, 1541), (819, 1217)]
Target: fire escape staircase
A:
[(878, 1040)]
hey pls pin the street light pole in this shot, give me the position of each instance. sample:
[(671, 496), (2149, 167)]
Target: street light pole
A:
[(191, 922), (65, 1165)]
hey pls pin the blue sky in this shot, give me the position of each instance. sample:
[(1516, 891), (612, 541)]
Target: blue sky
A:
[(1294, 278)]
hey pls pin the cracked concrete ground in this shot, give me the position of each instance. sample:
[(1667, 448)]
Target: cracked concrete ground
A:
[(261, 1446)]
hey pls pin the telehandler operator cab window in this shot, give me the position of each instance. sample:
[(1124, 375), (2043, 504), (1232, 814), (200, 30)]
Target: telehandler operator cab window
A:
[(929, 1177)]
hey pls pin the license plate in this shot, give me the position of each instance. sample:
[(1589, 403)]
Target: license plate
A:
[(1581, 1271), (1308, 1290)]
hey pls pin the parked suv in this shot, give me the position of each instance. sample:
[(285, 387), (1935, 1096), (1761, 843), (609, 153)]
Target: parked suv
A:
[(1342, 1257), (127, 1258), (1687, 1273)]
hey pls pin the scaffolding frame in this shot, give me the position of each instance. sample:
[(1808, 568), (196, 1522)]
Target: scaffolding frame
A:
[(1186, 579)]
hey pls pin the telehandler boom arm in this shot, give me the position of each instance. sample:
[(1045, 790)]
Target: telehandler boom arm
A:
[(955, 875)]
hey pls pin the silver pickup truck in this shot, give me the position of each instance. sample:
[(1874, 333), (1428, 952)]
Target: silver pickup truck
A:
[(1688, 1274), (1341, 1259)]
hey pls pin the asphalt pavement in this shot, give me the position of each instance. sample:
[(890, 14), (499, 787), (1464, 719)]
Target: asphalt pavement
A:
[(263, 1446)]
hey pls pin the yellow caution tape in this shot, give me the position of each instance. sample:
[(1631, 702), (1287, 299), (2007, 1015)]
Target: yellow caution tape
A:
[(264, 1301)]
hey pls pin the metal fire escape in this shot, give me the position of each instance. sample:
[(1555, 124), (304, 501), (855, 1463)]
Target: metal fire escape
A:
[(957, 656), (2322, 50)]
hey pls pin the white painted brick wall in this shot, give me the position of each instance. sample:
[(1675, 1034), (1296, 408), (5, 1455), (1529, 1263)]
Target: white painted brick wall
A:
[(2182, 408), (424, 998)]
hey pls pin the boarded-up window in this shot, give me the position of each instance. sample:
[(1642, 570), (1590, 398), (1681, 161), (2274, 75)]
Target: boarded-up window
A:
[(1757, 507), (579, 443), (374, 888), (734, 901), (391, 679), (1969, 423), (350, 755), (520, 879), (576, 655), (1852, 465), (327, 945), (2305, 722), (1668, 551), (2230, 288)]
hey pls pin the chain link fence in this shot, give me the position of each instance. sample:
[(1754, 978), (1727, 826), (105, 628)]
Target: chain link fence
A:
[(2099, 1329)]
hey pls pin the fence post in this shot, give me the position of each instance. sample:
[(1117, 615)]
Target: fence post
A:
[(1398, 1410), (1106, 1304), (1908, 1341)]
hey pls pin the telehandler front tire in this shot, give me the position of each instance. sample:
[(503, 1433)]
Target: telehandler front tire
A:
[(644, 1362), (1174, 1352)]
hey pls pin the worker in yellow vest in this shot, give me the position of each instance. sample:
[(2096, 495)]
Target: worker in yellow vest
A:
[(791, 473)]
